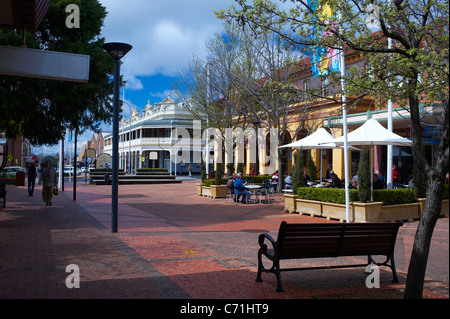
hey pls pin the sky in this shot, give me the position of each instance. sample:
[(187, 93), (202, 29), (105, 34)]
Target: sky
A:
[(165, 35)]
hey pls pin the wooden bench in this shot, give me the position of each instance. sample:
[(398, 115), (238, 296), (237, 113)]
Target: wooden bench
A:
[(3, 194), (296, 241)]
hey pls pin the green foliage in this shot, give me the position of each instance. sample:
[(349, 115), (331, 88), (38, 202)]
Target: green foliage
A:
[(419, 178), (394, 196), (445, 194), (240, 168), (230, 169), (337, 195), (213, 181), (41, 110), (202, 171), (249, 178), (364, 182), (298, 177), (329, 195), (312, 169), (218, 174)]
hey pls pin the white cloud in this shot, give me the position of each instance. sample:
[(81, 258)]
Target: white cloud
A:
[(164, 34)]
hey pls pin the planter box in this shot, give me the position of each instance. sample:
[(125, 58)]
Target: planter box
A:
[(199, 189), (359, 212), (444, 208), (206, 191), (400, 212), (311, 207), (213, 191), (218, 191), (335, 211), (366, 212), (290, 203)]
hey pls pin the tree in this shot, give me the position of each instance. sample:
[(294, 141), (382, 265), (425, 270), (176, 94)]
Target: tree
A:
[(312, 169), (207, 88), (298, 176), (414, 71), (364, 182), (41, 110)]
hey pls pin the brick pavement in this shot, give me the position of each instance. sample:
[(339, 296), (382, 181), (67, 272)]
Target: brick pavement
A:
[(173, 244)]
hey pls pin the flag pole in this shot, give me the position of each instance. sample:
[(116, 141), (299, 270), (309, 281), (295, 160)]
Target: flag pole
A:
[(344, 123)]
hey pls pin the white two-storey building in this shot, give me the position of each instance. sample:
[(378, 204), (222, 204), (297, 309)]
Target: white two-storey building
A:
[(146, 140)]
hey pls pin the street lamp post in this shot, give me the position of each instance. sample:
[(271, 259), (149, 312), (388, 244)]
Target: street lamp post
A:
[(256, 125), (117, 50)]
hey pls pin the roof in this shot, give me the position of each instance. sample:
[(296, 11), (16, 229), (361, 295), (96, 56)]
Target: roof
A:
[(20, 14)]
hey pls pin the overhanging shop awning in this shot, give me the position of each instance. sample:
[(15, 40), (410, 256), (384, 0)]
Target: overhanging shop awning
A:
[(43, 64)]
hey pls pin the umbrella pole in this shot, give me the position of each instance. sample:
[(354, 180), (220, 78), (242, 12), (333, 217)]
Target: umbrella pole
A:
[(321, 166), (371, 174)]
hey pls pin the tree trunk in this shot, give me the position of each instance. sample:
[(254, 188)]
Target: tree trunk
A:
[(422, 241)]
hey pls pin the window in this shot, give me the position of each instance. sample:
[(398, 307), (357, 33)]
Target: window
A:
[(306, 85), (324, 87)]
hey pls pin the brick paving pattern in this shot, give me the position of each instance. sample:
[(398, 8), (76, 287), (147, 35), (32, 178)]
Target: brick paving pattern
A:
[(173, 244)]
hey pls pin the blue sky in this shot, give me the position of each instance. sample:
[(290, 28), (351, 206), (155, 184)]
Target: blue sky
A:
[(165, 35)]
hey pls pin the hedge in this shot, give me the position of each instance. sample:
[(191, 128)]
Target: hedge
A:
[(249, 178), (337, 195), (394, 196), (329, 195)]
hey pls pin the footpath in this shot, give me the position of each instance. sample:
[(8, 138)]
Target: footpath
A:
[(173, 244)]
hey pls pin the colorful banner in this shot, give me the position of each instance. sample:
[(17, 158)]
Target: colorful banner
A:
[(323, 61)]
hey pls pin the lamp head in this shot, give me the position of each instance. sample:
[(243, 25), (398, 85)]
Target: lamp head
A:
[(117, 49)]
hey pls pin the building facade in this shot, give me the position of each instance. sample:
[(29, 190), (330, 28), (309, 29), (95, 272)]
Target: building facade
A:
[(150, 140)]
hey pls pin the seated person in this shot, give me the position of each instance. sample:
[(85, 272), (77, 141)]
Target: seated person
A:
[(354, 184), (230, 183), (288, 181), (306, 178), (335, 181), (377, 184), (240, 189), (108, 179)]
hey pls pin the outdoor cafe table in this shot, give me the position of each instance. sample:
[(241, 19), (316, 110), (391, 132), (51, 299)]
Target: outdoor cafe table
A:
[(253, 189)]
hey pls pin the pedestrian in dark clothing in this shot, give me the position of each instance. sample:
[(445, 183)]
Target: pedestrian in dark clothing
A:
[(31, 175)]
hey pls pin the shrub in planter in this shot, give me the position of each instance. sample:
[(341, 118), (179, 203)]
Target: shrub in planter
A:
[(364, 176), (394, 196), (312, 169), (230, 169), (445, 195), (329, 195), (202, 171), (218, 174), (298, 177)]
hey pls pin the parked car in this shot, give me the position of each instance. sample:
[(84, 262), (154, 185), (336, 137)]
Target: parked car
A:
[(12, 170)]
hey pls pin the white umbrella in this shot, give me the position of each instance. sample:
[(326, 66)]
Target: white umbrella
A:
[(320, 139), (373, 133)]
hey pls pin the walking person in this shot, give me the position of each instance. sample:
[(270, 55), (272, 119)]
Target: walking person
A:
[(49, 181), (31, 175), (190, 170)]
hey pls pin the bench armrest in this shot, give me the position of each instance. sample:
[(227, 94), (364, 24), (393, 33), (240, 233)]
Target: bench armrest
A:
[(262, 238)]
